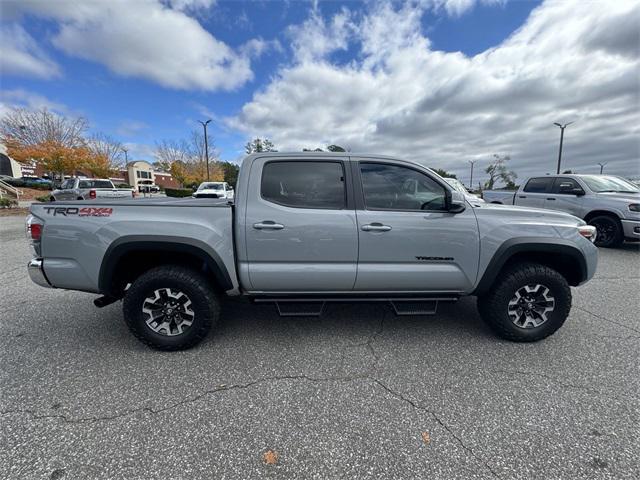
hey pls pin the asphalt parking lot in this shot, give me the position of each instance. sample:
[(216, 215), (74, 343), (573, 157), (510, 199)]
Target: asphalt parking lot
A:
[(358, 393)]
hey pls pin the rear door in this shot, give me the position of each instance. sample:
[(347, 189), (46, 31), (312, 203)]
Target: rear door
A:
[(300, 227), (409, 242), (566, 195), (534, 193)]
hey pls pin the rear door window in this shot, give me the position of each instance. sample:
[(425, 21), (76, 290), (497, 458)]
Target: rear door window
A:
[(538, 185), (303, 184)]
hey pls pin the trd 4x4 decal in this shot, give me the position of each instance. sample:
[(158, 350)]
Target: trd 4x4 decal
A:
[(81, 212)]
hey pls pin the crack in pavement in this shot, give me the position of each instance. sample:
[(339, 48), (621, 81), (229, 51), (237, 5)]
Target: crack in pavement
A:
[(221, 388), (224, 388), (407, 400), (606, 319), (370, 341)]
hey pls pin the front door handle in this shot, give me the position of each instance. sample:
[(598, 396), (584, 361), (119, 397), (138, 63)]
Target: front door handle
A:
[(550, 198), (522, 196), (376, 227), (268, 225)]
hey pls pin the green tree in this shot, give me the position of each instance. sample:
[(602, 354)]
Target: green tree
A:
[(258, 145), (231, 171), (498, 171)]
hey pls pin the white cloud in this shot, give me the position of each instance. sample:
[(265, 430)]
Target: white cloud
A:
[(146, 39), (19, 98), (571, 60), (21, 55), (129, 128)]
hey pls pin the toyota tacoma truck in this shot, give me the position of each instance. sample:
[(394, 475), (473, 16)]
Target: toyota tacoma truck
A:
[(311, 228), (611, 204)]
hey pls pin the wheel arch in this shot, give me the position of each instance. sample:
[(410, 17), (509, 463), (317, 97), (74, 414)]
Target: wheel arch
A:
[(559, 254), (129, 257), (597, 213)]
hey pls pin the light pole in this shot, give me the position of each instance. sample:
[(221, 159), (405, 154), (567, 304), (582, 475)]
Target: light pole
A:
[(601, 167), (206, 144), (471, 179), (562, 127), (126, 157)]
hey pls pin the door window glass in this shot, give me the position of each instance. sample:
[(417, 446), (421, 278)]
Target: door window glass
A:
[(538, 185), (566, 186), (392, 187), (304, 184)]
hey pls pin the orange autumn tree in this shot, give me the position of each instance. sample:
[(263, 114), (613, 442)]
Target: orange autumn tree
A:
[(52, 155)]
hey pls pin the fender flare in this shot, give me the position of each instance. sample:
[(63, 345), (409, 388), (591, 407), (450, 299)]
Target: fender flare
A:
[(169, 244), (514, 246)]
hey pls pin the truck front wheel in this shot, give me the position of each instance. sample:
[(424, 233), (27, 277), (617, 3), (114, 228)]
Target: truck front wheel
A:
[(609, 232), (171, 308), (528, 303)]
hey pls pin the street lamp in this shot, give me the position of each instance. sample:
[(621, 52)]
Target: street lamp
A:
[(562, 127), (206, 144), (601, 167), (471, 179), (126, 157)]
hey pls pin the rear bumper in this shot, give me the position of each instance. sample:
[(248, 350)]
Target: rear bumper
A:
[(631, 228), (36, 273)]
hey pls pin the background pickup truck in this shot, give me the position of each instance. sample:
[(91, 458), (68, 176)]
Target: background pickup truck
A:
[(309, 228), (611, 204), (89, 188)]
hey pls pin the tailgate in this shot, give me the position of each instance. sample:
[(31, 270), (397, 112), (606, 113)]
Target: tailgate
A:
[(112, 193)]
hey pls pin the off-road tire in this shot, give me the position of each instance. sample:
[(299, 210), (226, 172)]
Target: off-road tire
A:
[(615, 235), (494, 305), (204, 304)]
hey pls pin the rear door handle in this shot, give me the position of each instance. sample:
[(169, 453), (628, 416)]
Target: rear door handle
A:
[(268, 225), (522, 196), (376, 227), (550, 198)]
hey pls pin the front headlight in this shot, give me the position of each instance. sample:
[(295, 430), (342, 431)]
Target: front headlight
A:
[(588, 232), (634, 207)]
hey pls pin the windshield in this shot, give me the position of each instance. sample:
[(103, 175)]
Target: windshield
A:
[(456, 184), (601, 183), (211, 186)]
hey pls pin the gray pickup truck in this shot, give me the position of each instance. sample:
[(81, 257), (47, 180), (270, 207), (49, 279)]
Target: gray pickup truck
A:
[(310, 228), (89, 189), (611, 204)]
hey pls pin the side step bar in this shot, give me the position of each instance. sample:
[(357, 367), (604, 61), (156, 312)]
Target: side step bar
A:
[(314, 306)]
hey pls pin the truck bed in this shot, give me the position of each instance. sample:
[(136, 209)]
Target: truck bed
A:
[(77, 234)]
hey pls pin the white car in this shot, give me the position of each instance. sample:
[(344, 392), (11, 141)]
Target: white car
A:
[(214, 190)]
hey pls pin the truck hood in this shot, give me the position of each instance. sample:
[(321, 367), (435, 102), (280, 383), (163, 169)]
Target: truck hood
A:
[(623, 197), (537, 214)]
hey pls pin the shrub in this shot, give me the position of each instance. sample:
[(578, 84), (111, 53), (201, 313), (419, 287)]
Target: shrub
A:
[(178, 192), (123, 185), (43, 198), (8, 203)]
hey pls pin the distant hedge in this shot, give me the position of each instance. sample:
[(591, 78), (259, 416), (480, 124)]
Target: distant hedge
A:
[(178, 192)]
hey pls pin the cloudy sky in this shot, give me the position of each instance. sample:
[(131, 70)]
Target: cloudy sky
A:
[(440, 82)]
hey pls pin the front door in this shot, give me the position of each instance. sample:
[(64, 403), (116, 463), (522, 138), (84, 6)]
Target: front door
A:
[(408, 240), (300, 232), (566, 196)]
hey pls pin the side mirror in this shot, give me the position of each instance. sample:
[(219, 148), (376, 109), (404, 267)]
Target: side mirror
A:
[(578, 191), (457, 203)]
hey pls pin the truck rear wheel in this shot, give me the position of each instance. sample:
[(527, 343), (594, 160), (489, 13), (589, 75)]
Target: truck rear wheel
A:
[(171, 308), (528, 303)]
